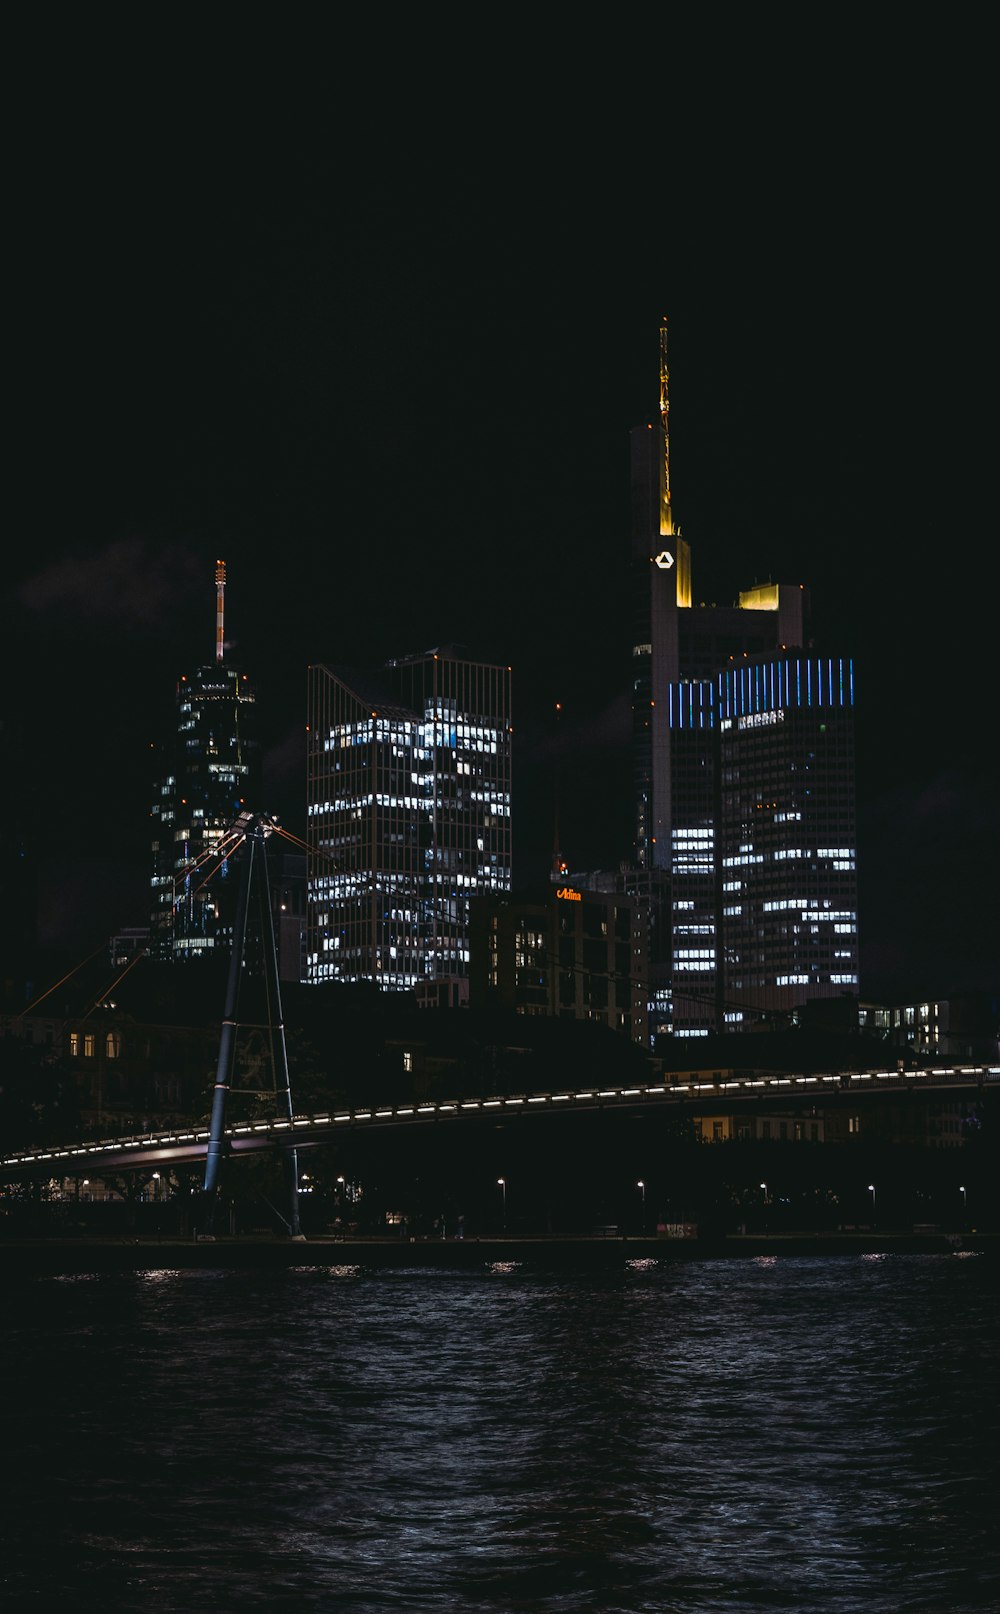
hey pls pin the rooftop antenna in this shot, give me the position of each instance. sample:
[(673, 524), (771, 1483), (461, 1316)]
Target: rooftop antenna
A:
[(220, 609), (675, 555), (666, 514), (559, 865)]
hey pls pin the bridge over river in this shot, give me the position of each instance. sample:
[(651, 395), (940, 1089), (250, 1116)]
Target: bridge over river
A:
[(681, 1093), (286, 1133)]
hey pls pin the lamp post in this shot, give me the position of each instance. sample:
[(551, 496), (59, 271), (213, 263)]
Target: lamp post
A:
[(156, 1191), (965, 1197), (502, 1185), (871, 1190), (642, 1197)]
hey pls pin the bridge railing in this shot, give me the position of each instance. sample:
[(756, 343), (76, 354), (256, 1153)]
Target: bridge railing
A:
[(190, 1143)]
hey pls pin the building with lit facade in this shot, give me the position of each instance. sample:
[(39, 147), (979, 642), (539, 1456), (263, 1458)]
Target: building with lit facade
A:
[(572, 951), (743, 781), (210, 772), (964, 1027), (408, 786)]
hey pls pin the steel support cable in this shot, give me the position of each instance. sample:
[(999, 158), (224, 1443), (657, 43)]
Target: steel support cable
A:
[(56, 984), (120, 977), (220, 853), (218, 850)]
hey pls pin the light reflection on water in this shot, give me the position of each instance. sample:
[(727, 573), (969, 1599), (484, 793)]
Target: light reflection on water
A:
[(792, 1434)]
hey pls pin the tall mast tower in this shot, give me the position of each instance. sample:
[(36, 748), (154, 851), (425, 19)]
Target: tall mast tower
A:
[(666, 514), (220, 610)]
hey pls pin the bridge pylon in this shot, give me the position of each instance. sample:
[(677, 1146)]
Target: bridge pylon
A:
[(255, 827)]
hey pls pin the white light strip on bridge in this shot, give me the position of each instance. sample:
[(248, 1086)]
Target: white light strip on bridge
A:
[(982, 1073)]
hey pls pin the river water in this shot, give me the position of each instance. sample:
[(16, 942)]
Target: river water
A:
[(707, 1435)]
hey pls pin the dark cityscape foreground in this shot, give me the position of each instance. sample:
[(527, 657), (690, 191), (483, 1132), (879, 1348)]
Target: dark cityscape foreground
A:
[(626, 1177), (490, 1128)]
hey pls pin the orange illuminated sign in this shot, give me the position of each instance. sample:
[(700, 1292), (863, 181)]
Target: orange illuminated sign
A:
[(567, 894)]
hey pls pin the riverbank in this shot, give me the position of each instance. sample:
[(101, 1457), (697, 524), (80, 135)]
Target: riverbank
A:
[(66, 1256)]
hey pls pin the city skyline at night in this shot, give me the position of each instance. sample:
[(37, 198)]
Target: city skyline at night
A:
[(138, 590), (562, 1173), (394, 449)]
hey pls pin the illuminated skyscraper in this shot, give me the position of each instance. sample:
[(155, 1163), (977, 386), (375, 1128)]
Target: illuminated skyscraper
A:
[(210, 773), (743, 772), (408, 796)]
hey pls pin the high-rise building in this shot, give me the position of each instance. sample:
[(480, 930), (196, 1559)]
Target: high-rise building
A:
[(408, 785), (568, 951), (210, 773), (743, 773)]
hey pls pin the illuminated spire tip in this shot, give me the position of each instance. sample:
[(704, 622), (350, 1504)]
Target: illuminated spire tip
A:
[(220, 609)]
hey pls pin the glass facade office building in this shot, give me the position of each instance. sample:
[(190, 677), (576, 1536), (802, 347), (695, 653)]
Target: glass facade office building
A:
[(743, 782), (763, 892), (409, 810), (210, 772)]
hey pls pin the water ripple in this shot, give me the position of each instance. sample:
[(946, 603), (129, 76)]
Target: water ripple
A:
[(676, 1438)]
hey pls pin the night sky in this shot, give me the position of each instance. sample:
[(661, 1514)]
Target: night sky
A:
[(386, 367)]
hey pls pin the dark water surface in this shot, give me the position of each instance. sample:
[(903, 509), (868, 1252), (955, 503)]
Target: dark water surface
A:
[(770, 1434)]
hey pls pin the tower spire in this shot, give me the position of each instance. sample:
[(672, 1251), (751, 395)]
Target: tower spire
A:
[(558, 861), (666, 514), (220, 609)]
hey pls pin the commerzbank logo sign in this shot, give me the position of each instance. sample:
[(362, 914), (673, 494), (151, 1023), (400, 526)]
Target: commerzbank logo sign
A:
[(760, 720)]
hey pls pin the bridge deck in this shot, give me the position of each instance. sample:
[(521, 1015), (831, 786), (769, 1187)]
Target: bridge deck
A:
[(729, 1090)]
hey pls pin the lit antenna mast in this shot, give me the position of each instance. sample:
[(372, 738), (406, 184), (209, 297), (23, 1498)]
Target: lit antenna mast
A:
[(220, 609), (666, 514), (559, 865)]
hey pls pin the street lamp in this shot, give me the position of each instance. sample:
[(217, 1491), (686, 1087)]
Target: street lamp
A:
[(502, 1185), (642, 1195), (871, 1190), (156, 1190), (763, 1187), (965, 1197)]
